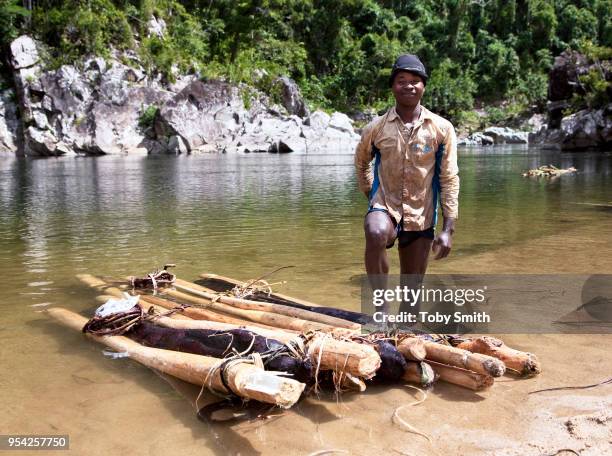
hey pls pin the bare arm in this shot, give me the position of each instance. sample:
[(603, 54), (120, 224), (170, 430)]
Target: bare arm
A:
[(449, 195), (363, 159)]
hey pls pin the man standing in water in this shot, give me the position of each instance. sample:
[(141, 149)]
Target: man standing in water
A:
[(415, 165)]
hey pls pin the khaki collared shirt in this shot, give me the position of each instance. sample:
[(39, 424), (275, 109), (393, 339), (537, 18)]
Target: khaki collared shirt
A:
[(413, 168)]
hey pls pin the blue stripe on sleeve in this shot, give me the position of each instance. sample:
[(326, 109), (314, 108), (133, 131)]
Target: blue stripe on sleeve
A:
[(435, 182), (376, 182)]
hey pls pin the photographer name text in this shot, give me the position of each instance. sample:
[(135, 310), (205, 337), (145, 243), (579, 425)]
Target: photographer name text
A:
[(432, 317)]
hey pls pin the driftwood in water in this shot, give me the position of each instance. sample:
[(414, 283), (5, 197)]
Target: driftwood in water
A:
[(420, 373), (548, 171), (220, 344), (247, 304), (241, 377), (522, 362), (464, 359), (216, 283), (461, 377)]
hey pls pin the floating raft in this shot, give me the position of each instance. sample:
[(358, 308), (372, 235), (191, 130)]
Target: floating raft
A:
[(549, 171), (241, 340)]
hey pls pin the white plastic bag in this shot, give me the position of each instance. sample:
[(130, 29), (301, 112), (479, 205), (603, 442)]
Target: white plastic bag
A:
[(113, 306)]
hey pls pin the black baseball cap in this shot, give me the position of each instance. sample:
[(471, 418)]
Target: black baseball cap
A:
[(411, 63)]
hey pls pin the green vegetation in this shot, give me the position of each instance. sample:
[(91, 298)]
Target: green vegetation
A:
[(12, 17), (597, 90), (147, 116), (479, 53)]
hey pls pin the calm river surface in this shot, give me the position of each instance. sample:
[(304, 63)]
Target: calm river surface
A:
[(243, 216)]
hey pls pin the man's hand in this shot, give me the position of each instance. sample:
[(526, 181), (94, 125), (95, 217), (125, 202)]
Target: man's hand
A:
[(443, 242), (442, 245)]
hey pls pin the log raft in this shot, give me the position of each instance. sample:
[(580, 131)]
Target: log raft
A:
[(325, 351), (471, 363), (243, 378)]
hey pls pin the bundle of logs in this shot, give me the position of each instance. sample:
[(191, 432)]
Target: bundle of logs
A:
[(273, 348), (548, 171)]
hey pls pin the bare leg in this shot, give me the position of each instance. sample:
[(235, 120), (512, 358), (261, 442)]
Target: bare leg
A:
[(413, 265), (414, 257), (379, 232)]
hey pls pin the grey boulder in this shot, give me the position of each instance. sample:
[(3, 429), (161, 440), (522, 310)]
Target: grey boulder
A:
[(505, 135), (291, 97)]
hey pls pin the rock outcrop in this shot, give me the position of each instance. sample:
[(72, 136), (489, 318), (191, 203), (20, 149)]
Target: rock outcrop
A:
[(504, 135), (212, 117), (9, 122), (291, 97), (585, 129), (94, 109), (564, 82), (105, 107), (495, 135), (582, 130), (476, 139)]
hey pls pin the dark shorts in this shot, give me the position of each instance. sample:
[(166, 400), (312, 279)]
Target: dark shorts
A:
[(405, 238)]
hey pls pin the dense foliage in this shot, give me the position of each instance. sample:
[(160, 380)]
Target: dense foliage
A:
[(339, 52)]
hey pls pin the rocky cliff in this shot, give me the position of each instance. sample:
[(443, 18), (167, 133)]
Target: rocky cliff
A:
[(100, 106)]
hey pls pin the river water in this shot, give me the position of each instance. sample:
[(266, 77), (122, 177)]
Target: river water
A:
[(246, 215)]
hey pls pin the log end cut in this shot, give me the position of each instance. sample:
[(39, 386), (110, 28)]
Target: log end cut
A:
[(412, 348), (266, 386), (357, 359), (530, 365), (494, 367)]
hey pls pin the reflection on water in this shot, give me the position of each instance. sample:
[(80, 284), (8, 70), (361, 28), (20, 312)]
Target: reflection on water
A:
[(244, 215), (241, 216)]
